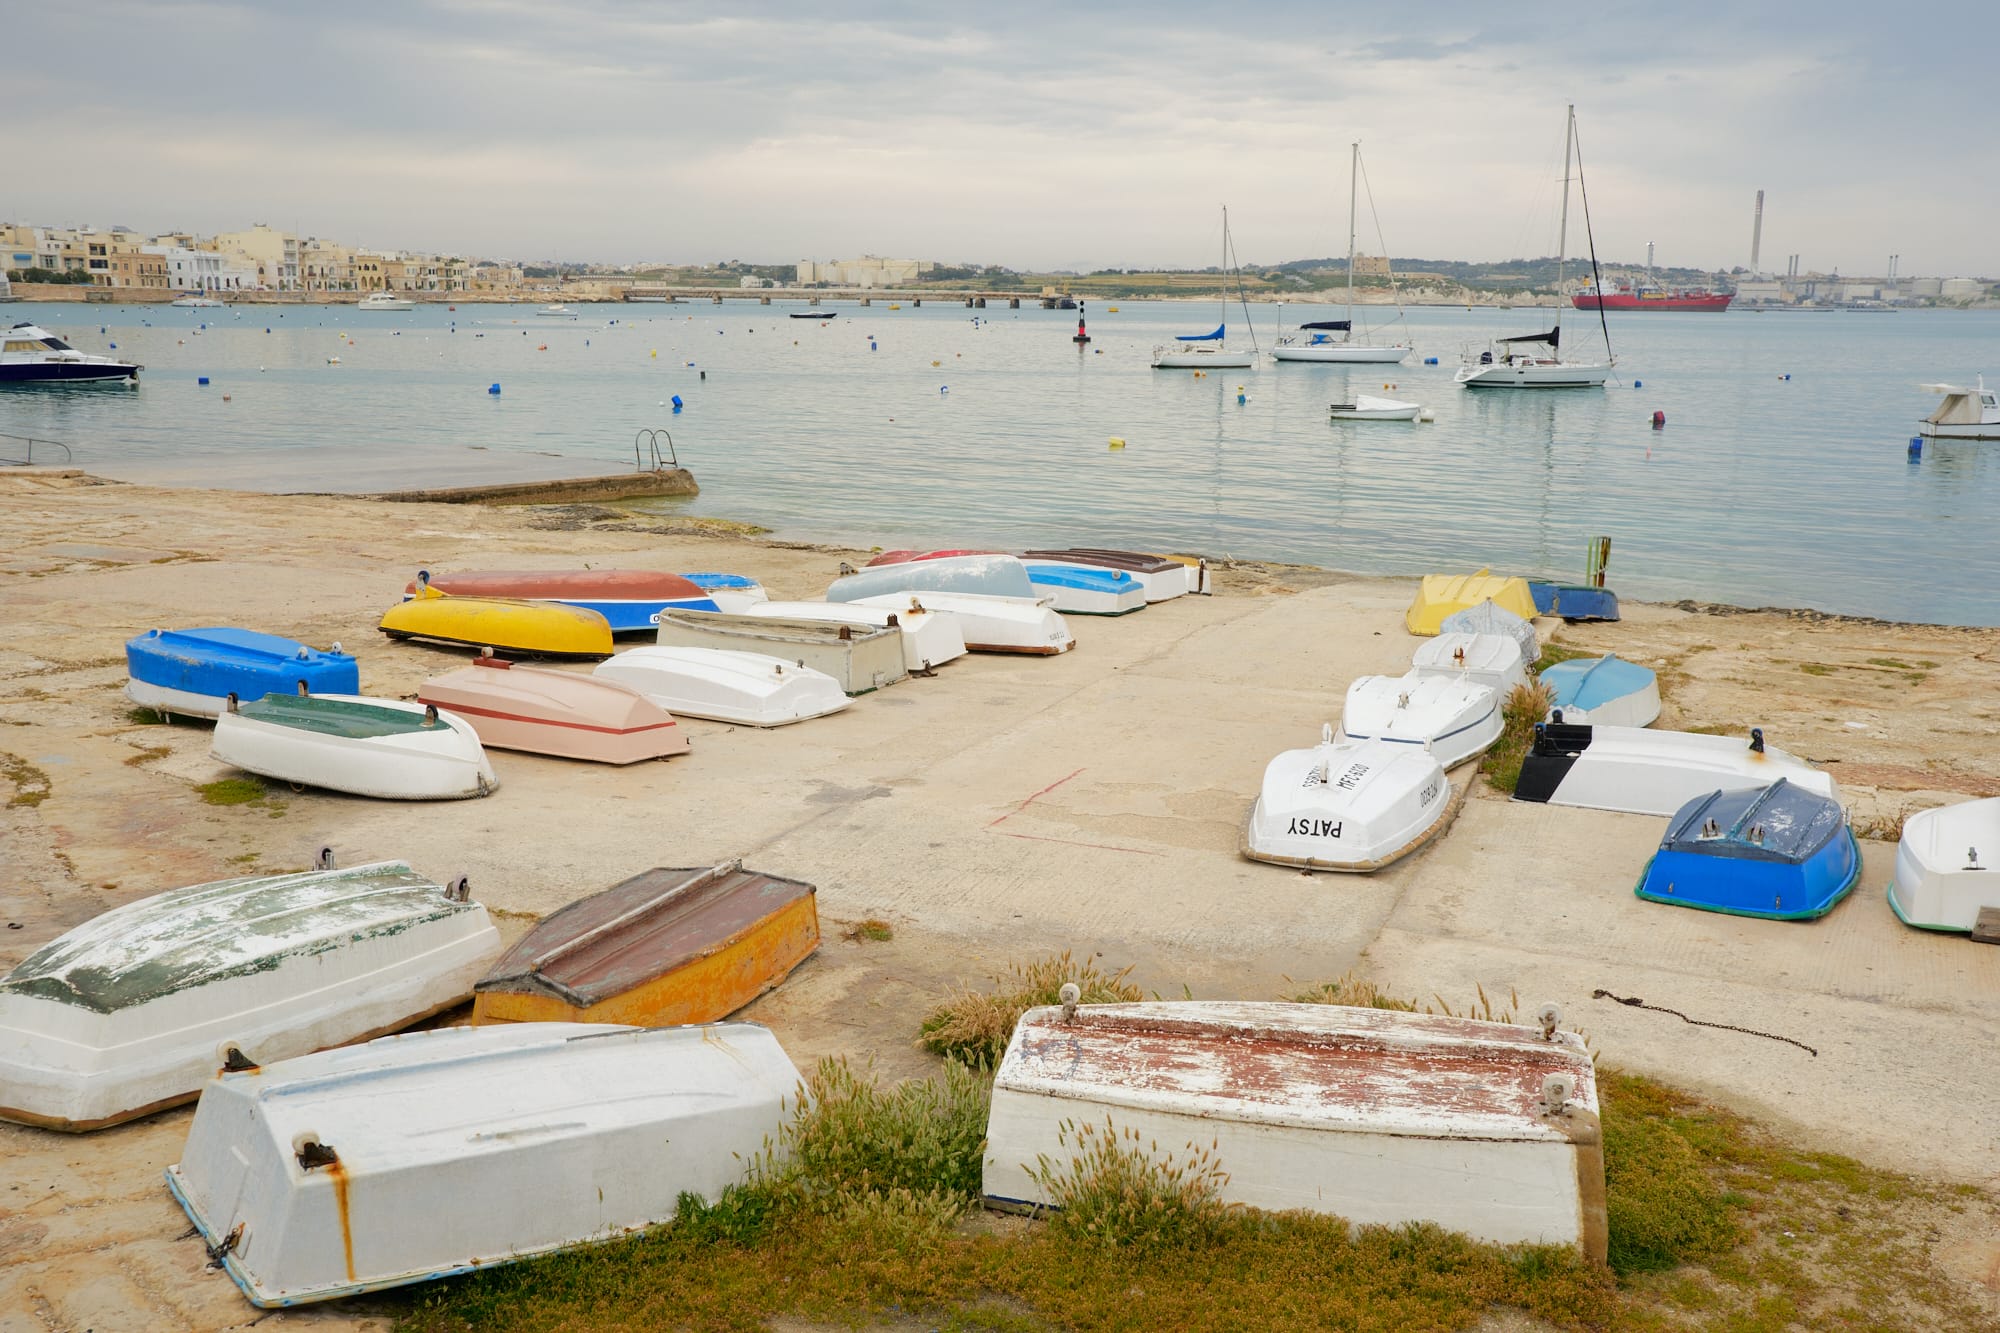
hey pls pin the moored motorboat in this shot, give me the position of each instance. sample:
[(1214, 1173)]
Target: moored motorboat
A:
[(1778, 852), (1366, 407), (989, 624), (1162, 577), (1441, 595), (1455, 718), (860, 657), (384, 748), (988, 575), (812, 314), (1489, 618), (1948, 866), (1574, 601), (1492, 660), (30, 354), (381, 301), (630, 600), (1646, 772), (930, 639), (1347, 805), (126, 1014), (415, 1157), (1965, 414), (1079, 590), (556, 311), (1380, 1117), (1604, 691), (192, 672), (670, 946), (751, 689), (560, 713), (536, 629)]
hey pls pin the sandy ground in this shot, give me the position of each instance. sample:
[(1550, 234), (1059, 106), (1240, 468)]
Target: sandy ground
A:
[(1005, 808)]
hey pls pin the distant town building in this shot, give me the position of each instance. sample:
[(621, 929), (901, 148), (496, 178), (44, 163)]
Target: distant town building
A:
[(1371, 266), (867, 271), (273, 254)]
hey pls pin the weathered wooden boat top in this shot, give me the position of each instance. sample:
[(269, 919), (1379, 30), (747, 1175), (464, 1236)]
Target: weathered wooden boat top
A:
[(219, 660), (1326, 1067), (349, 719), (648, 925), (563, 584), (186, 938)]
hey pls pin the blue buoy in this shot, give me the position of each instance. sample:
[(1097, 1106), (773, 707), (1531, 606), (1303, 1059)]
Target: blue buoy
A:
[(114, 347), (203, 379), (1638, 384), (676, 400), (1916, 448), (493, 388), (871, 344), (944, 388), (1430, 360)]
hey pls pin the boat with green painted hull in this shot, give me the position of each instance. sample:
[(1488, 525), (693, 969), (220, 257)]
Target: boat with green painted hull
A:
[(367, 747)]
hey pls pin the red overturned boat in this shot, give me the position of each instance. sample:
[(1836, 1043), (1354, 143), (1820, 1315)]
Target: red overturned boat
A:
[(629, 599)]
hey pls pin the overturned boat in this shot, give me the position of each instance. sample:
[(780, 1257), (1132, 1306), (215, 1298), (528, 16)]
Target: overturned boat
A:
[(989, 575), (1574, 601), (1163, 577), (1948, 866), (989, 624), (1441, 595), (559, 713), (193, 672), (1086, 591), (1778, 852), (1489, 618), (670, 946), (1456, 719), (1492, 660), (384, 748), (1347, 805), (1645, 772), (536, 629), (860, 657), (733, 585), (1380, 1117), (421, 1156), (930, 638), (751, 689), (1607, 691), (133, 1010), (630, 600)]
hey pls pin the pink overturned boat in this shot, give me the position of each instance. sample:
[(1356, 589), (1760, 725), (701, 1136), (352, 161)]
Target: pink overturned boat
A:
[(560, 713)]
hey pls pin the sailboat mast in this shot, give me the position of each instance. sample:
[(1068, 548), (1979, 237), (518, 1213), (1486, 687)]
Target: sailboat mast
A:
[(1353, 177), (1562, 228)]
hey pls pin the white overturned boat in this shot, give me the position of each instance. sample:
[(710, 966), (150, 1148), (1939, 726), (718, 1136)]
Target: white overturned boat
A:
[(1489, 617), (860, 657), (990, 575), (1492, 660), (1948, 866), (132, 1011), (1367, 408), (1380, 1117), (1646, 772), (1456, 719), (751, 689), (417, 1157), (989, 624), (1347, 805), (1085, 590), (367, 747), (930, 638)]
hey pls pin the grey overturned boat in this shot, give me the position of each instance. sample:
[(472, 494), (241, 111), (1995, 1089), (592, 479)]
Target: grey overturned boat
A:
[(860, 657)]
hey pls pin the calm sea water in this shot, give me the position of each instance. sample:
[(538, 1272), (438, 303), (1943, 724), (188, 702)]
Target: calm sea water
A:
[(1781, 478)]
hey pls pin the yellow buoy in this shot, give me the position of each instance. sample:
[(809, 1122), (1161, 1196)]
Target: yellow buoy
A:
[(937, 363), (1117, 442), (1111, 309), (655, 353)]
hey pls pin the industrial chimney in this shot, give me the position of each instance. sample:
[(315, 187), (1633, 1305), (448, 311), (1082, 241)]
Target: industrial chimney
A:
[(1757, 235)]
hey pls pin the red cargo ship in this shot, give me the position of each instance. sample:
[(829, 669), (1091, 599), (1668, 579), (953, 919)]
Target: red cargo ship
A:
[(1651, 298)]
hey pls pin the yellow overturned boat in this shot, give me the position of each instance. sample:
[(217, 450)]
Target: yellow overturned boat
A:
[(1443, 595), (540, 629)]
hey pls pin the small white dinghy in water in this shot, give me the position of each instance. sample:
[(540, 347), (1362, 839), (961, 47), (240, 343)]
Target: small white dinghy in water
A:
[(930, 639), (132, 1011), (1365, 408), (1492, 660), (751, 689), (1457, 719), (1948, 866), (990, 624), (384, 748), (421, 1156), (1645, 772), (1347, 805)]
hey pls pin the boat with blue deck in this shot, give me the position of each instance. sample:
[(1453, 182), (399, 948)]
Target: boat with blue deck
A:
[(1778, 852), (192, 672), (30, 354), (1084, 591), (1574, 601), (1603, 691)]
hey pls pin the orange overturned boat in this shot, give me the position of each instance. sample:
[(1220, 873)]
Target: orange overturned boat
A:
[(560, 713), (537, 629), (666, 947)]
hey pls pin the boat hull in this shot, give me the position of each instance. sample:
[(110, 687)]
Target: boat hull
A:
[(1441, 595), (861, 658), (929, 639), (1780, 853), (442, 763), (1540, 375), (985, 575), (193, 672), (1714, 302), (1087, 592), (1455, 719), (749, 689), (1979, 431), (537, 629), (1574, 602), (1603, 691), (1644, 772), (1341, 353), (990, 624), (1945, 866), (1180, 358), (1162, 578), (556, 713), (1352, 807), (67, 372), (1492, 660)]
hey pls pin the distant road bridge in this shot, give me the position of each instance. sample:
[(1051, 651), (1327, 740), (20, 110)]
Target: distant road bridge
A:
[(975, 298)]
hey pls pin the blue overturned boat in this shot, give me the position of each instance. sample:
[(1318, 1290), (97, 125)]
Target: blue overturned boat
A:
[(1603, 691), (1086, 590), (193, 672), (741, 586), (1778, 852), (1574, 601)]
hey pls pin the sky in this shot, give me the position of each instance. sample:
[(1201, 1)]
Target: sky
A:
[(1034, 136)]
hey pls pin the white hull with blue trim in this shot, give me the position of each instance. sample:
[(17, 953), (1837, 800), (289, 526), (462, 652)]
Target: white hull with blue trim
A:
[(1456, 719)]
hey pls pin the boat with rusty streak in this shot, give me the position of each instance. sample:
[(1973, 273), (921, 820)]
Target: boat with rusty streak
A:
[(436, 1153), (508, 625), (1380, 1117), (686, 945), (385, 748), (561, 713), (133, 1011), (1347, 805)]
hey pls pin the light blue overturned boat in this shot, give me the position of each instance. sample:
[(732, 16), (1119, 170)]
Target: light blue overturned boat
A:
[(1087, 591), (985, 575), (1778, 852), (1603, 692), (194, 671)]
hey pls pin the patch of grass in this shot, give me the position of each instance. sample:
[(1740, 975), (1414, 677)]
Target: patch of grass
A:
[(1553, 652), (1816, 668), (1525, 706), (31, 784), (1878, 828), (148, 717), (1359, 993), (147, 755), (233, 791), (1891, 663), (1116, 1190), (874, 929), (973, 1026), (244, 858), (1664, 1209)]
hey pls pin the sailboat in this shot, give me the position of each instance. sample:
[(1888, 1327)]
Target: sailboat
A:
[(1516, 363), (1208, 351), (1316, 341)]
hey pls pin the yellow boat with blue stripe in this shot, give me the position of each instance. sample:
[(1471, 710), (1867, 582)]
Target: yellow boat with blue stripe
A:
[(1443, 595), (538, 629)]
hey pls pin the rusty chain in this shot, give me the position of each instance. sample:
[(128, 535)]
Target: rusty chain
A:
[(1637, 1003)]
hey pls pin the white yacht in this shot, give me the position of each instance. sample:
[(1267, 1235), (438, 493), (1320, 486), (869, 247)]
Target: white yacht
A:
[(1965, 414), (385, 301), (1316, 341), (556, 311), (30, 354), (196, 301)]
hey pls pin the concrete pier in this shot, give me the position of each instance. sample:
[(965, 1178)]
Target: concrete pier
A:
[(572, 490)]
